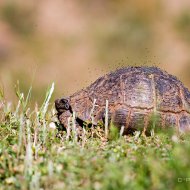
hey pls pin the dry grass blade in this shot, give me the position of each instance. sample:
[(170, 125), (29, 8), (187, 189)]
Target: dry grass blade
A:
[(29, 154), (44, 107), (122, 130), (106, 120), (68, 129), (74, 129)]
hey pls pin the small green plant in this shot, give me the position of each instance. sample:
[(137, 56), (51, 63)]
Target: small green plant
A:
[(113, 132)]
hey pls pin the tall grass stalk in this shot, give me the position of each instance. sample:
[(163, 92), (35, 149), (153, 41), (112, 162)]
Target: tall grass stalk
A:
[(68, 128), (20, 137), (44, 107), (84, 137), (106, 120), (29, 154), (24, 102), (44, 134), (74, 129), (21, 97), (43, 110), (122, 130), (36, 130)]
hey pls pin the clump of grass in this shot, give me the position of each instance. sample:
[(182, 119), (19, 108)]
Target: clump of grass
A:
[(36, 155)]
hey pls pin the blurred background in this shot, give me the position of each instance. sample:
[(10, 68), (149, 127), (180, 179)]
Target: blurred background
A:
[(72, 43)]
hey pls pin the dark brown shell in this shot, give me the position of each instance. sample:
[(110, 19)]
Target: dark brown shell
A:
[(134, 95)]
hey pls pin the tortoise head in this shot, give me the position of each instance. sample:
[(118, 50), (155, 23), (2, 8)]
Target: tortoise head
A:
[(62, 105)]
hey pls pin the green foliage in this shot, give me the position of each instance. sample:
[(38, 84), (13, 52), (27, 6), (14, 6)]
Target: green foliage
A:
[(34, 155)]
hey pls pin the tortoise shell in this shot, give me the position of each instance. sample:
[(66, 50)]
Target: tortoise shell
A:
[(134, 94)]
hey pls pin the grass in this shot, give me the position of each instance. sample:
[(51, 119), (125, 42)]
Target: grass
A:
[(34, 154)]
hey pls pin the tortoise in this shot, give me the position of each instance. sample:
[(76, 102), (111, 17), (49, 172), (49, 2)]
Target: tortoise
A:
[(134, 94)]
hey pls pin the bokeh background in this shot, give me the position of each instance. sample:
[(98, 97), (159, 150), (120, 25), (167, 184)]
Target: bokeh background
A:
[(72, 42)]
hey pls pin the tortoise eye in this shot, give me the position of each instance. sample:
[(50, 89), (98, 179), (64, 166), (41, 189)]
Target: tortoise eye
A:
[(65, 103), (66, 106)]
